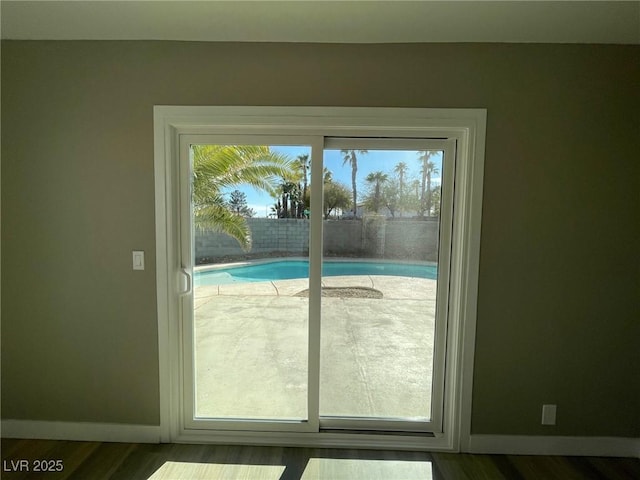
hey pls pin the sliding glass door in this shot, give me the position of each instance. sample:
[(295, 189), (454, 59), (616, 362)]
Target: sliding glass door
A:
[(245, 249), (315, 282), (385, 283)]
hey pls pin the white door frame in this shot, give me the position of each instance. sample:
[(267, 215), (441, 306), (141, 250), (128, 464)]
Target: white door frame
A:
[(466, 126)]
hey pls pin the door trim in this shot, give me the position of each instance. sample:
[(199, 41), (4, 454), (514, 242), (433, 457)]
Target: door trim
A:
[(466, 126)]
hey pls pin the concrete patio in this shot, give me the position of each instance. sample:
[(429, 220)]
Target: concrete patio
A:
[(376, 354)]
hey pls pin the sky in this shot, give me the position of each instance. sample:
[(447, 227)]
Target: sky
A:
[(374, 160)]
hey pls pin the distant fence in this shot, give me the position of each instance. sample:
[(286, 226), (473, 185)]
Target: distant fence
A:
[(371, 237)]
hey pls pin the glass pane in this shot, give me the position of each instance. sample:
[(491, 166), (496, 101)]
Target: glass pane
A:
[(380, 257), (251, 247)]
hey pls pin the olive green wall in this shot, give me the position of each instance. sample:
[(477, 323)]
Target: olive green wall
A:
[(558, 301)]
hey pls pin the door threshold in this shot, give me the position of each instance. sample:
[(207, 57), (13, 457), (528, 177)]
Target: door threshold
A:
[(411, 441), (346, 431)]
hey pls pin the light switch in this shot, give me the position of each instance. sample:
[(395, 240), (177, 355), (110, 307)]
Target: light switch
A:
[(138, 260)]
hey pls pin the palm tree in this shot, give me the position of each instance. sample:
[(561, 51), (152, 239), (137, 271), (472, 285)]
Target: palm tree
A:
[(376, 179), (327, 175), (401, 169), (218, 167), (428, 168), (302, 164), (349, 156), (289, 194)]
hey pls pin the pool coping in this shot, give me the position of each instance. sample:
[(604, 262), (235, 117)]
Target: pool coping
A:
[(262, 261)]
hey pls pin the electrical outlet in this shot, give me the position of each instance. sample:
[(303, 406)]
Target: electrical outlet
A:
[(549, 414)]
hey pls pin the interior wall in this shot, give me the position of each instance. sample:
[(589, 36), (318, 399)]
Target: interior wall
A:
[(559, 280)]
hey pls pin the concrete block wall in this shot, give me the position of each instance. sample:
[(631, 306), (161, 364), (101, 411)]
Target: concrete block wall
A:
[(289, 236), (412, 239), (380, 238), (374, 233), (342, 238)]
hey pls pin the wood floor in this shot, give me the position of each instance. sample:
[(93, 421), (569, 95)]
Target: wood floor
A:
[(127, 461)]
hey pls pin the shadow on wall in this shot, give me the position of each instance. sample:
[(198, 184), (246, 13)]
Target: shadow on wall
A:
[(373, 236)]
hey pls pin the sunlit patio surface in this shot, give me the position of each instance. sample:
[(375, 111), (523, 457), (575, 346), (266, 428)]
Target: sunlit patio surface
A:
[(376, 354)]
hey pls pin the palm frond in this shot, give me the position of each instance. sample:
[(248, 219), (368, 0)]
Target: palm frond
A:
[(229, 165), (218, 218), (218, 167)]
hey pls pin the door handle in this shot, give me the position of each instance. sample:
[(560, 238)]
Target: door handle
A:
[(186, 282)]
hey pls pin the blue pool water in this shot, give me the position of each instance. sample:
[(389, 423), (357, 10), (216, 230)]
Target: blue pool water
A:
[(289, 269)]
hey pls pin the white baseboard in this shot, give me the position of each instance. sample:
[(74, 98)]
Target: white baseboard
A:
[(80, 431), (552, 445)]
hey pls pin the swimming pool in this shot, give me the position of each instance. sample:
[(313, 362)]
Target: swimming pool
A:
[(290, 269)]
